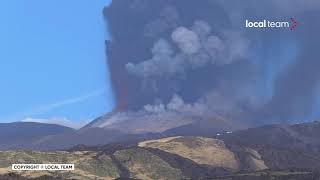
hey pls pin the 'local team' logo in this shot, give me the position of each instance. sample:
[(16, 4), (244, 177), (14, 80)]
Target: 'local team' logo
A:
[(292, 24)]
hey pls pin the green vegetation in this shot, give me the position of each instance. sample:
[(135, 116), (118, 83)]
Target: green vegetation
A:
[(144, 165), (87, 164), (201, 150), (168, 158)]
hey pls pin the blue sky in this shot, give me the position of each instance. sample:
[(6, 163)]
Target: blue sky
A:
[(52, 60)]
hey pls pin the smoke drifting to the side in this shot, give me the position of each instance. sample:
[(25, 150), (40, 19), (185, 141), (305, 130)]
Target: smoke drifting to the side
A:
[(177, 61)]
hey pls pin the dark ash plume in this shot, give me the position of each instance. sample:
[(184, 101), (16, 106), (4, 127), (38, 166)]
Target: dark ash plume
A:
[(174, 62)]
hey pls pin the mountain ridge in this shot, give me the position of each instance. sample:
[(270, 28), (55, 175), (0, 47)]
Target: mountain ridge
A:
[(182, 157), (22, 135)]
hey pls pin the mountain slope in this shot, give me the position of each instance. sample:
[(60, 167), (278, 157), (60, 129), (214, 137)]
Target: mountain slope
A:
[(88, 137), (268, 152), (281, 146), (23, 135), (205, 151), (90, 165)]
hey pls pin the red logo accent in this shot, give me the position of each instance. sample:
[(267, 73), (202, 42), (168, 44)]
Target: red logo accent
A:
[(295, 24)]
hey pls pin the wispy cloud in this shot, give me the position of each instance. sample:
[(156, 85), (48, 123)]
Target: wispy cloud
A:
[(58, 104), (59, 121), (74, 100)]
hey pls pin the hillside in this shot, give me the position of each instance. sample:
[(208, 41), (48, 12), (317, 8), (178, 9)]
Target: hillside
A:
[(204, 151), (182, 157), (90, 165), (281, 146), (24, 135)]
